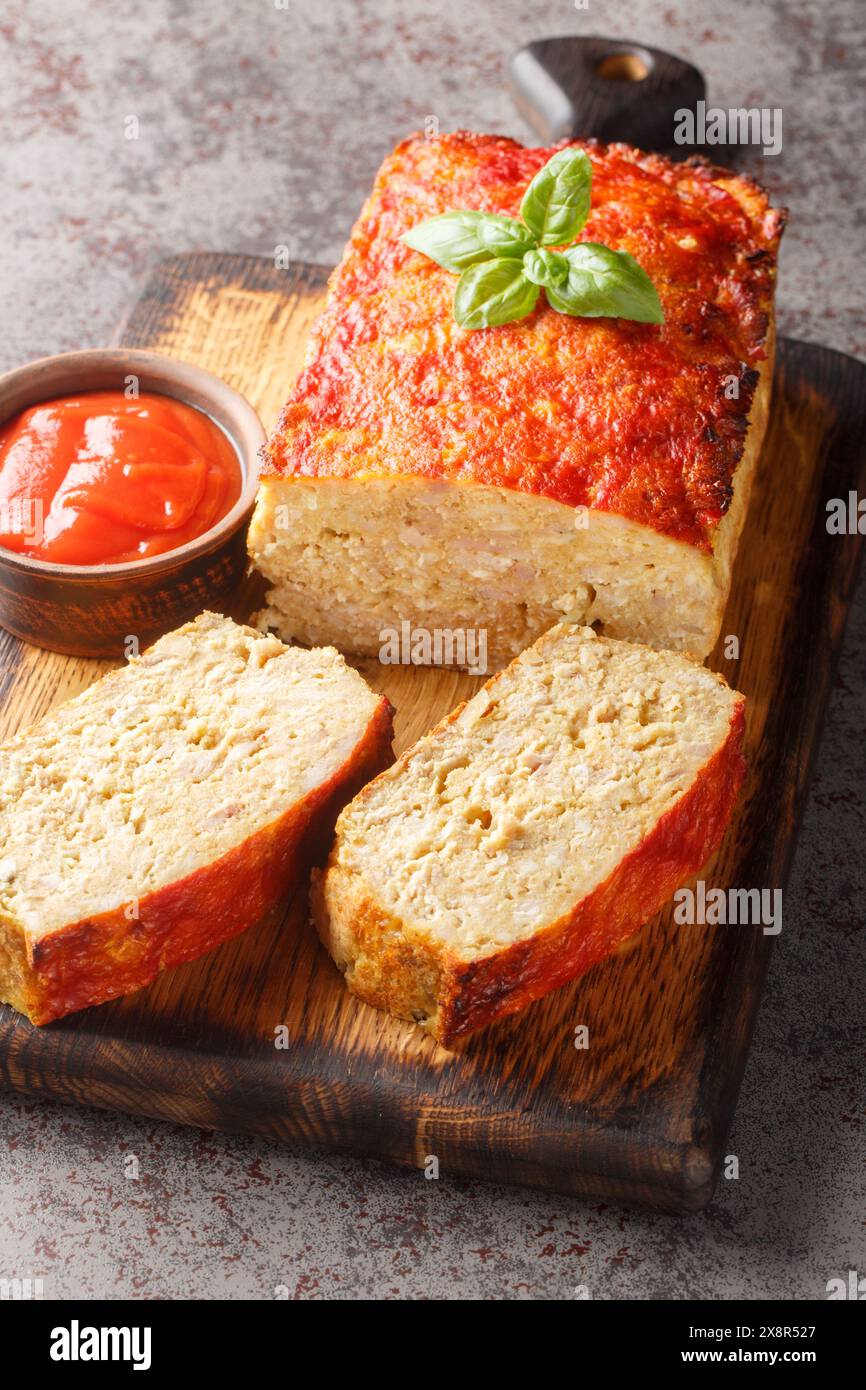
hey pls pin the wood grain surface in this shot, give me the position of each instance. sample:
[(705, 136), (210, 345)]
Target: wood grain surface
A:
[(642, 1114)]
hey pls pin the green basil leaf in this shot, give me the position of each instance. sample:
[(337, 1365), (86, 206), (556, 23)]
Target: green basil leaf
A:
[(605, 284), (456, 240), (545, 267), (556, 204), (494, 292)]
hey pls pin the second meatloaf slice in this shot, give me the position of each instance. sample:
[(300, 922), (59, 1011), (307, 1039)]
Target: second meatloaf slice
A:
[(170, 806), (530, 833)]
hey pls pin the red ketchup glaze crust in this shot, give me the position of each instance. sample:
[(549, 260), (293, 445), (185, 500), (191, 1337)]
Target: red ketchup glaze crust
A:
[(631, 418)]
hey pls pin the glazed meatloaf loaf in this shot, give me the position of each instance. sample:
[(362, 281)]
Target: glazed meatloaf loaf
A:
[(170, 806), (530, 833), (501, 479)]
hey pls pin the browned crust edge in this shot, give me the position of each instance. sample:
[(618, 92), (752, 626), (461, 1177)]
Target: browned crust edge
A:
[(411, 975), (98, 958)]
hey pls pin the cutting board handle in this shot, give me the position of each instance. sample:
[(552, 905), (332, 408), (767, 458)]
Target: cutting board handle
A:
[(611, 89)]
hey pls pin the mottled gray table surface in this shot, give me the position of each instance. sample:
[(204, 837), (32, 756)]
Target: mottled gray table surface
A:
[(261, 124)]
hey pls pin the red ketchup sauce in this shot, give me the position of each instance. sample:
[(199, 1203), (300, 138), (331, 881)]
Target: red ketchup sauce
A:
[(96, 479)]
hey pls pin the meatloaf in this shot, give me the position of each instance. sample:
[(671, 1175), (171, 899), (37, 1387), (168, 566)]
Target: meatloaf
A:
[(170, 806), (531, 832), (501, 479)]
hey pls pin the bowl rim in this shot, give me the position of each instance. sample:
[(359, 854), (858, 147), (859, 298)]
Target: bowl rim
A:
[(180, 380)]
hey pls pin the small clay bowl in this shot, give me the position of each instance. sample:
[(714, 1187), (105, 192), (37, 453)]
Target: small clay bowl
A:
[(92, 610)]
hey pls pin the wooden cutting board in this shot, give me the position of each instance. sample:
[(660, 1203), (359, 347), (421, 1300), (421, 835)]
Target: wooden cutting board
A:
[(641, 1115)]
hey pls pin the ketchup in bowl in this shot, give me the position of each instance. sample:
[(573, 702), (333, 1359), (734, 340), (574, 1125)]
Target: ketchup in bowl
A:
[(97, 479)]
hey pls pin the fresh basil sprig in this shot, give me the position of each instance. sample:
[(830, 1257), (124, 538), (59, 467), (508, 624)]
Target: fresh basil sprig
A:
[(504, 263), (601, 283), (460, 239), (556, 204), (547, 268), (494, 292)]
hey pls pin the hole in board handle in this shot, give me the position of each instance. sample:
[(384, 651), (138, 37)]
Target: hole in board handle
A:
[(622, 67)]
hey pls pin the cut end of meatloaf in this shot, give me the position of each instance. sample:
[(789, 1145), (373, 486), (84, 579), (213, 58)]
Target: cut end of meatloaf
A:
[(531, 832), (349, 563), (503, 478), (170, 806)]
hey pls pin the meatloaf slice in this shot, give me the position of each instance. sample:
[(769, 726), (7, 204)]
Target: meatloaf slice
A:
[(531, 832), (170, 806)]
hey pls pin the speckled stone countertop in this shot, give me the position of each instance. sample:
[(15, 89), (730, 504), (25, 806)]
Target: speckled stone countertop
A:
[(262, 125)]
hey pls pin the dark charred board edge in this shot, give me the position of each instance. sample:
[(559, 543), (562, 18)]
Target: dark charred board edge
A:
[(627, 1155), (827, 576)]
